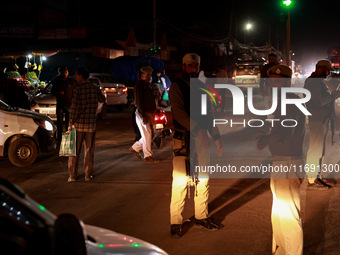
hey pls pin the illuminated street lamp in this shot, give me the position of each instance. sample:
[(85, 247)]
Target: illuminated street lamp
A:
[(247, 28)]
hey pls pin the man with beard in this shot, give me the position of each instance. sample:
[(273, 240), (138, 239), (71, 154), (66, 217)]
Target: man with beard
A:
[(186, 122), (321, 106)]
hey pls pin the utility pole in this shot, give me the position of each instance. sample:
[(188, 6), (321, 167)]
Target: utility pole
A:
[(288, 40), (154, 24)]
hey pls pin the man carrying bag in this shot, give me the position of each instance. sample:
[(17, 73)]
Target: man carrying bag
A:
[(83, 116)]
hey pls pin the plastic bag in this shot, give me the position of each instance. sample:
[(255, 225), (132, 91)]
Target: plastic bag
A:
[(165, 96), (68, 144)]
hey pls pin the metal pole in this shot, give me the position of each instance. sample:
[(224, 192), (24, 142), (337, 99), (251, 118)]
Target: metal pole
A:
[(288, 40), (154, 23)]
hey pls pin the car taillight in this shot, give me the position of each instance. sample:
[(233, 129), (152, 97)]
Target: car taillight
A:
[(125, 90)]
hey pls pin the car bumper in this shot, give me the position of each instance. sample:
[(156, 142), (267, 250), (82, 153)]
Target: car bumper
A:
[(45, 139)]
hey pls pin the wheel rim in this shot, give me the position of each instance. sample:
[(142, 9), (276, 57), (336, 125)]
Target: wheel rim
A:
[(24, 152)]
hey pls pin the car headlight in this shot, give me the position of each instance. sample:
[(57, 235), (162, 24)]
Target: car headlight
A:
[(33, 103), (45, 124)]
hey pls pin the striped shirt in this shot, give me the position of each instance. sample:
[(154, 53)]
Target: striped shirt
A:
[(84, 106)]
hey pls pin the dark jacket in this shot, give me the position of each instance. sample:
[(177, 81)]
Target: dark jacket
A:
[(321, 104), (144, 97)]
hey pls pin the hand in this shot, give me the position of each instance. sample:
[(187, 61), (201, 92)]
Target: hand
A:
[(203, 136), (262, 142), (219, 146)]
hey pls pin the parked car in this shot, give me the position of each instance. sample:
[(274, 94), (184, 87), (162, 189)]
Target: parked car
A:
[(247, 74), (46, 103), (29, 228), (23, 134), (116, 92)]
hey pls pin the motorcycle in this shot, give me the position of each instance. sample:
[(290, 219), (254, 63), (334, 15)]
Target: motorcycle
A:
[(161, 131)]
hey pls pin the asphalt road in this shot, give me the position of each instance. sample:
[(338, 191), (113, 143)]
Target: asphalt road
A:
[(131, 197)]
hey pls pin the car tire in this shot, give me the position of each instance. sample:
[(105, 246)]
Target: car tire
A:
[(22, 152)]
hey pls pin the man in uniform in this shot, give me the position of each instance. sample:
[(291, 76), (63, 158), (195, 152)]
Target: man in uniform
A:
[(184, 124), (286, 147), (321, 106)]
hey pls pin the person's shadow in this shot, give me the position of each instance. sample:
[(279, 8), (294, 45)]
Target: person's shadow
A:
[(231, 199), (314, 220)]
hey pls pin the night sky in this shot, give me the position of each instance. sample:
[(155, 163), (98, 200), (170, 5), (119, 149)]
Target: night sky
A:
[(314, 24)]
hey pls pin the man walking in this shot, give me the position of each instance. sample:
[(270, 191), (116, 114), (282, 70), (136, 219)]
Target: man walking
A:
[(286, 147), (146, 105), (321, 106), (83, 116), (184, 123)]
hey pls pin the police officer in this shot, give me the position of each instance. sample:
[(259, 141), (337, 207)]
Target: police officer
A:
[(184, 123), (286, 147), (321, 106)]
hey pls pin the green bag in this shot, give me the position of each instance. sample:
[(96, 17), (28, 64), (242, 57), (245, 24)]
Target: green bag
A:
[(166, 96), (68, 144)]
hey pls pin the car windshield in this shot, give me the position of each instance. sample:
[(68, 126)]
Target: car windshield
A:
[(248, 70)]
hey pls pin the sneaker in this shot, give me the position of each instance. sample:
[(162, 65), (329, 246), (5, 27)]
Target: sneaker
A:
[(206, 223), (135, 152), (89, 178), (318, 184), (71, 179), (176, 230), (151, 160)]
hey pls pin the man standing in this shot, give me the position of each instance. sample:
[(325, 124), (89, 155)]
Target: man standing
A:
[(83, 116), (62, 87), (184, 124), (146, 106), (286, 147), (321, 106)]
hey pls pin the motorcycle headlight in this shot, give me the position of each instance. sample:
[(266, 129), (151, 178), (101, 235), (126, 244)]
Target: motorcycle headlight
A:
[(45, 124)]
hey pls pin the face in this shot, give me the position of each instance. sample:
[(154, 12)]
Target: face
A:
[(64, 74), (271, 59), (79, 78), (192, 69), (278, 81), (324, 71), (146, 77)]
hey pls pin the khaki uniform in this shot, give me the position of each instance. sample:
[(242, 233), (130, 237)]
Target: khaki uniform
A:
[(184, 123)]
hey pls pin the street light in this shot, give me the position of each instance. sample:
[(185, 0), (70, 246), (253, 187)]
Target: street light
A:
[(247, 28)]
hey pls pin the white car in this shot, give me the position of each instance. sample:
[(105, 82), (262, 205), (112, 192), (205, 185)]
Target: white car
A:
[(23, 134), (29, 228), (248, 74), (116, 92), (46, 103)]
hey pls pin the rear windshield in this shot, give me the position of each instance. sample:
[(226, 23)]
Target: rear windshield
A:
[(106, 78), (248, 70)]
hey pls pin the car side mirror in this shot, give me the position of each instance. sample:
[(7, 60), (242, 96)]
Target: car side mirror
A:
[(69, 238)]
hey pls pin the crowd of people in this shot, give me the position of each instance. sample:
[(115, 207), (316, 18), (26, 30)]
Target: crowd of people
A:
[(194, 134)]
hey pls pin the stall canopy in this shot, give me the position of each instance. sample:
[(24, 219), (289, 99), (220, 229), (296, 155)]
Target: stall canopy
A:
[(126, 68)]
